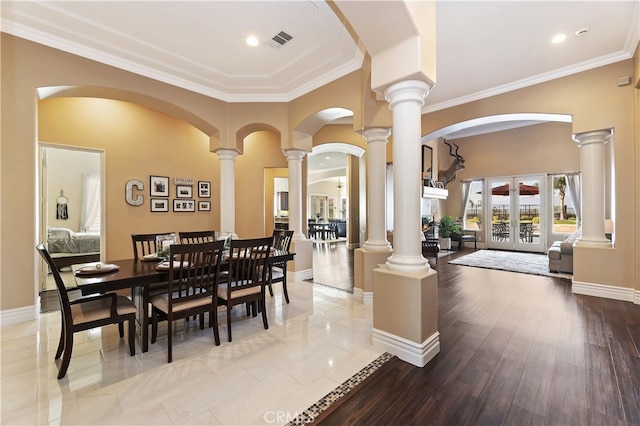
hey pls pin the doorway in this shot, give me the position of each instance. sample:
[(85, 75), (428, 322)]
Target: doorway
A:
[(515, 204), (71, 206)]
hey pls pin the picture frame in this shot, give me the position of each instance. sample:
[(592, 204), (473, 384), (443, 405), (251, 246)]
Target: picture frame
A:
[(440, 184), (204, 206), (159, 205), (159, 186), (204, 189), (182, 205), (184, 191)]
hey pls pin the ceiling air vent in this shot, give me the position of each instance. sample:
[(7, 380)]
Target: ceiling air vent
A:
[(280, 39)]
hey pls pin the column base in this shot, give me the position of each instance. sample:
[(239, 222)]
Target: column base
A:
[(301, 267), (406, 350), (364, 263), (405, 314), (594, 242)]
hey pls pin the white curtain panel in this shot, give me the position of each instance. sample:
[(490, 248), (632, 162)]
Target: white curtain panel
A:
[(90, 214)]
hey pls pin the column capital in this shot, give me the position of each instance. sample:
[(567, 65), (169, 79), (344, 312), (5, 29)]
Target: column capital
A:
[(227, 154), (597, 136), (376, 134), (294, 154), (407, 91)]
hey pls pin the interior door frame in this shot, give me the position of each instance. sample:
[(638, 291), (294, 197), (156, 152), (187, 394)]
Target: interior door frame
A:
[(514, 241), (43, 201)]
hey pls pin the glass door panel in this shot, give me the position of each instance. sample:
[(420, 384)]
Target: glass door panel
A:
[(500, 207), (515, 204)]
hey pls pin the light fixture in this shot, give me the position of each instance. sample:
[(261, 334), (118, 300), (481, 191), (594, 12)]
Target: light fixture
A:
[(252, 41), (558, 38), (339, 185)]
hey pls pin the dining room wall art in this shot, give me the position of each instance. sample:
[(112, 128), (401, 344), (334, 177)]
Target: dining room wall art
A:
[(204, 189), (204, 206), (184, 191), (180, 205), (159, 205), (159, 186)]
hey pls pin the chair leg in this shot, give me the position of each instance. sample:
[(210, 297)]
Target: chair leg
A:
[(270, 289), (62, 340), (284, 288), (132, 334), (169, 336), (264, 313), (154, 326), (66, 357), (121, 329), (214, 324), (228, 324)]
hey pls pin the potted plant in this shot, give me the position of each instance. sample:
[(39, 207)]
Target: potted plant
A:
[(447, 225)]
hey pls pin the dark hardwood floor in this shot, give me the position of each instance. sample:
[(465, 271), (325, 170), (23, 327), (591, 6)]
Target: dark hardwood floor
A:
[(516, 349)]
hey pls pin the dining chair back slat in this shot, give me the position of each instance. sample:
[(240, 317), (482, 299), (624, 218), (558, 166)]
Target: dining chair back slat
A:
[(145, 244), (247, 277), (278, 270), (192, 237), (193, 277)]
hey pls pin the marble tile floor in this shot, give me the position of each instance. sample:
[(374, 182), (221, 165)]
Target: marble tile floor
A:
[(313, 344)]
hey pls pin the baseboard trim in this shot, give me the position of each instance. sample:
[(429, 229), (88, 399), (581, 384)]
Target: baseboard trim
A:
[(606, 291), (411, 352), (353, 246), (300, 275), (17, 315), (365, 297)]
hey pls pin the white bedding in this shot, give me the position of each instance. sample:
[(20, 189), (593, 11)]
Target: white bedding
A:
[(63, 240)]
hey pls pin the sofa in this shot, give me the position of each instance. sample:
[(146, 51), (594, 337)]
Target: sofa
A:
[(561, 254)]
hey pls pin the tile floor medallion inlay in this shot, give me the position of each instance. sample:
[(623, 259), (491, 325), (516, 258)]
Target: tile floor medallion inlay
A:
[(311, 413)]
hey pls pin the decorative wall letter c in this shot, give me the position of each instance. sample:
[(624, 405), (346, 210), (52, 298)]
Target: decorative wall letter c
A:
[(128, 192)]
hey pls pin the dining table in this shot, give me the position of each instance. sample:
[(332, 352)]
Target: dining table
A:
[(137, 275)]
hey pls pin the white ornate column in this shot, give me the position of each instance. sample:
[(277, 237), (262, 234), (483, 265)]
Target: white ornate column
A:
[(406, 100), (376, 250), (592, 157), (301, 267), (377, 139), (227, 190), (294, 159)]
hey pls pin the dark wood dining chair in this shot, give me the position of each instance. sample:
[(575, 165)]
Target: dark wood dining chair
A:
[(192, 237), (278, 270), (145, 245), (247, 279), (191, 288), (87, 313)]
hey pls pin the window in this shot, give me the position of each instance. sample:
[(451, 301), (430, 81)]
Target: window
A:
[(564, 212), (472, 193)]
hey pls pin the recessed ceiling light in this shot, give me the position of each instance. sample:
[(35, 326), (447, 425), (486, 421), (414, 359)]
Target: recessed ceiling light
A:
[(252, 41), (558, 38)]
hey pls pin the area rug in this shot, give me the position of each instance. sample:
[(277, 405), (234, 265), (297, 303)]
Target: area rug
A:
[(526, 263)]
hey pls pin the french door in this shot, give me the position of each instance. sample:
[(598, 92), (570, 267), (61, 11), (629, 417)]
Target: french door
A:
[(515, 206)]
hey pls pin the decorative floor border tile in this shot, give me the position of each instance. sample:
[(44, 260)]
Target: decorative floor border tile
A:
[(310, 414)]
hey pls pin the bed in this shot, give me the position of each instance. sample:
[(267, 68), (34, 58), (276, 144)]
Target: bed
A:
[(68, 247)]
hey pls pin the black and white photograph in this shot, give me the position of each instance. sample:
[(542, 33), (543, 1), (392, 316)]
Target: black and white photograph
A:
[(159, 186), (180, 205), (184, 191), (159, 205), (204, 189), (204, 206)]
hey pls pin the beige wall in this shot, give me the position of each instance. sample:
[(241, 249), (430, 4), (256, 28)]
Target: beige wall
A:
[(539, 149), (591, 97), (138, 143), (262, 150)]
